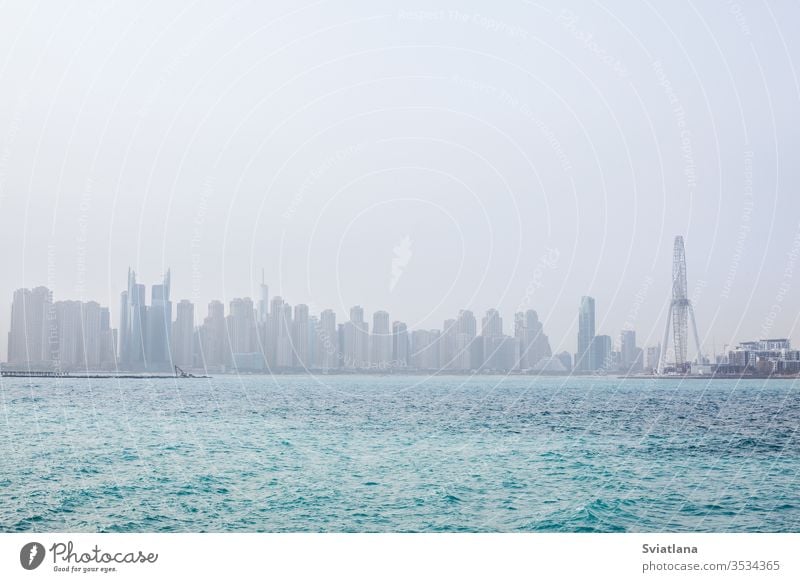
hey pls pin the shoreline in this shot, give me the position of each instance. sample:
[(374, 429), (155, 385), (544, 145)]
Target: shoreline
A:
[(199, 376)]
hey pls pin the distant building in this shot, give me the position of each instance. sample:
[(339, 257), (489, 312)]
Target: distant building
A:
[(32, 340), (400, 345), (424, 353), (311, 338), (492, 325), (212, 338), (630, 360), (447, 344), (566, 360), (380, 341), (355, 348), (500, 352), (241, 325), (159, 327), (466, 358), (92, 335), (326, 337), (652, 358), (585, 361), (65, 335), (183, 335), (70, 334), (601, 349), (145, 332), (533, 344), (766, 356), (300, 327), (284, 352)]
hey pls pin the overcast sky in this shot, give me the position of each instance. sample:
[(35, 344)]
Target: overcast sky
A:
[(420, 160)]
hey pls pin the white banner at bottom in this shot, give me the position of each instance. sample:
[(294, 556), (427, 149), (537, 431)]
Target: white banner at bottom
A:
[(234, 557)]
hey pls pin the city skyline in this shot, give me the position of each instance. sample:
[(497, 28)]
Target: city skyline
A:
[(586, 354), (271, 334)]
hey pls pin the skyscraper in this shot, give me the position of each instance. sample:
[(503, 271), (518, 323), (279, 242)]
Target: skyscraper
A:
[(300, 337), (380, 341), (183, 334), (521, 336), (424, 352), (566, 360), (630, 354), (601, 353), (492, 324), (469, 351), (124, 327), (400, 345), (159, 326), (534, 344), (327, 341), (133, 325), (29, 338), (311, 337), (273, 330), (447, 344), (70, 334), (91, 328), (355, 350), (241, 325), (284, 351), (263, 301), (213, 337), (584, 361), (499, 350), (653, 355)]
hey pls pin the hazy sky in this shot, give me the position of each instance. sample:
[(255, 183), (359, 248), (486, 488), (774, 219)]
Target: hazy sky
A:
[(441, 156)]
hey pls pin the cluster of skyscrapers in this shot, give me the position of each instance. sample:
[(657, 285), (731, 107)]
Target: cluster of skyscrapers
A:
[(61, 335), (270, 335), (266, 335), (596, 353)]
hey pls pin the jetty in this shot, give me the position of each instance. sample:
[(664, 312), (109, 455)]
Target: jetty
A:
[(179, 373)]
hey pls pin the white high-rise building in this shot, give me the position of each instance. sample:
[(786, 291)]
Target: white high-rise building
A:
[(327, 340), (284, 352), (381, 341), (355, 348), (424, 353), (32, 339), (300, 337), (91, 316), (400, 345), (585, 360), (469, 352), (69, 315), (159, 327), (183, 334), (630, 355), (447, 344), (263, 301), (212, 338), (534, 345)]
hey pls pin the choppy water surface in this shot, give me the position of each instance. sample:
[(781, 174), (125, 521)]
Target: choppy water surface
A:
[(365, 453)]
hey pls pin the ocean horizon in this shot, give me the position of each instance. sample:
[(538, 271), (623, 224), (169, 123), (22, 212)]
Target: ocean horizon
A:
[(399, 454)]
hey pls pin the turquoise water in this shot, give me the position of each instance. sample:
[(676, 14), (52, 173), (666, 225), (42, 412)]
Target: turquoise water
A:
[(353, 454)]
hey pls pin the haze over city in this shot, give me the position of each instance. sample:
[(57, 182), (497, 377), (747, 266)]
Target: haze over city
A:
[(408, 160)]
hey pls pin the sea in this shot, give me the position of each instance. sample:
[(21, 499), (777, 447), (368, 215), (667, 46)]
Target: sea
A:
[(392, 453)]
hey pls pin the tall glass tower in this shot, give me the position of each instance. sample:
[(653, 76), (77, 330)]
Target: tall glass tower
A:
[(585, 361)]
